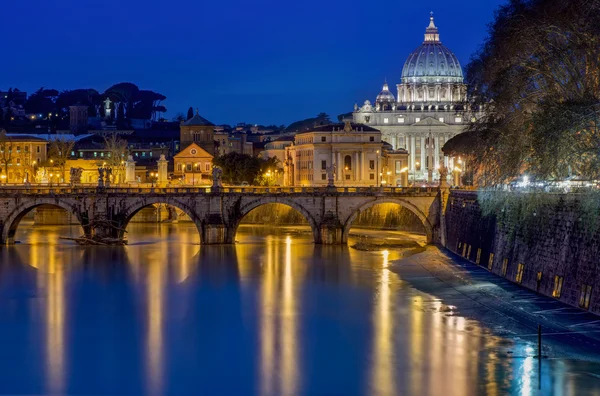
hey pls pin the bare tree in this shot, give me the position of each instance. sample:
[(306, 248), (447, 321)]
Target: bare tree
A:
[(117, 151), (59, 152)]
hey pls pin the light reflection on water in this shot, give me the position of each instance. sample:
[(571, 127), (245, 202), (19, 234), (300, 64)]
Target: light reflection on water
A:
[(272, 315)]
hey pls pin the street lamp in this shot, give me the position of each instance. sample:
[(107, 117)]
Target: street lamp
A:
[(377, 167), (194, 173)]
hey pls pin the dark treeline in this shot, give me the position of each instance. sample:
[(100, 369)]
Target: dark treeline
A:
[(127, 102)]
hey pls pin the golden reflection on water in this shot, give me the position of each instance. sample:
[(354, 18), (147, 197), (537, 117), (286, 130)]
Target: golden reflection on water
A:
[(383, 370), (50, 259), (279, 305)]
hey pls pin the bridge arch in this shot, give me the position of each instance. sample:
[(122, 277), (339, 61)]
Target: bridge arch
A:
[(11, 223), (246, 208), (347, 224), (130, 211)]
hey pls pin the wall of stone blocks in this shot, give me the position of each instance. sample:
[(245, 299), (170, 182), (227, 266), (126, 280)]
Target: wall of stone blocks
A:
[(562, 248)]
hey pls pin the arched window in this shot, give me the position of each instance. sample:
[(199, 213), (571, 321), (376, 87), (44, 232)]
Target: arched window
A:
[(348, 162)]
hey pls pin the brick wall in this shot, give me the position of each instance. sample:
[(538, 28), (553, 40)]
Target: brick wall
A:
[(560, 248)]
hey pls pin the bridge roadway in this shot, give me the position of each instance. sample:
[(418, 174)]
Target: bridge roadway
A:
[(217, 212)]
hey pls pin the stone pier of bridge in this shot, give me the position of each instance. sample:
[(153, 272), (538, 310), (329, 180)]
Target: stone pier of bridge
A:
[(217, 213)]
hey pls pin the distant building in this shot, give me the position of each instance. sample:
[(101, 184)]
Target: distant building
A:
[(193, 165), (20, 158), (78, 119), (198, 130), (276, 148)]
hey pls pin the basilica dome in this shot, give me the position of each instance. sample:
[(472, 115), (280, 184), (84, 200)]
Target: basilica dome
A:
[(385, 95), (432, 62)]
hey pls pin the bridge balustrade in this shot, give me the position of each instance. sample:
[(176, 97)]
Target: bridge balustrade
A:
[(66, 190)]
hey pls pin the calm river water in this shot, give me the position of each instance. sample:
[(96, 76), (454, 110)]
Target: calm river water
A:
[(272, 315)]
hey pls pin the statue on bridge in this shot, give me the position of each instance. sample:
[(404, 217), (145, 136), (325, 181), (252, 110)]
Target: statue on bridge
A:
[(443, 176), (217, 174), (108, 177), (101, 177), (331, 175)]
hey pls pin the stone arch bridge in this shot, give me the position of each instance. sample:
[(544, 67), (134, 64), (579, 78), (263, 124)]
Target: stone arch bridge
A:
[(217, 213)]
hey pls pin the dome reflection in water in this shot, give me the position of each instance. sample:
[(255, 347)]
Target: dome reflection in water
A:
[(273, 314)]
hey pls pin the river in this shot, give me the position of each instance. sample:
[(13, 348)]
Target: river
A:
[(272, 315)]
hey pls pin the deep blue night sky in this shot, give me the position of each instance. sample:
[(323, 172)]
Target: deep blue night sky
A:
[(261, 61)]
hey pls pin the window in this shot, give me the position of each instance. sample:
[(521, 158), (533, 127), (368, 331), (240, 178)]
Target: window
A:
[(417, 119), (372, 176), (143, 153), (371, 138), (207, 167), (26, 149), (38, 149), (108, 155), (81, 154), (323, 176), (586, 294), (398, 167), (458, 120), (72, 153), (464, 251), (323, 139), (478, 258), (323, 165), (18, 161), (520, 270), (102, 154), (18, 149), (371, 164), (558, 284), (504, 266), (180, 167), (96, 154), (386, 120), (347, 177), (38, 160), (400, 120)]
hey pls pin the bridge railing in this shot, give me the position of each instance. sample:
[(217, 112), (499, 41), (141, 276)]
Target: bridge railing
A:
[(70, 190)]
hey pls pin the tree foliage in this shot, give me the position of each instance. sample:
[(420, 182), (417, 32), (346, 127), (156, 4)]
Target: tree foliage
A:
[(539, 75), (238, 168), (309, 123)]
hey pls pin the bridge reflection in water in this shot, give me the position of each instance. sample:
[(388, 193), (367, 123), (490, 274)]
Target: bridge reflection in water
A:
[(276, 315)]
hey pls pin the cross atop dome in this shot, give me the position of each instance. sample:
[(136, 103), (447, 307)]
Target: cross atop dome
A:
[(432, 34)]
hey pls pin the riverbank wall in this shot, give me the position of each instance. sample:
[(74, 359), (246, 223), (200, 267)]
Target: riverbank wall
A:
[(551, 250)]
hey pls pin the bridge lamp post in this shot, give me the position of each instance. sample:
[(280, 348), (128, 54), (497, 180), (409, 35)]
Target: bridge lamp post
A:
[(404, 172), (344, 178), (377, 167), (388, 176)]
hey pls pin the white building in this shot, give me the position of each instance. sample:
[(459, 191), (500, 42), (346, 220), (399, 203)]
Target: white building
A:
[(352, 153), (430, 107)]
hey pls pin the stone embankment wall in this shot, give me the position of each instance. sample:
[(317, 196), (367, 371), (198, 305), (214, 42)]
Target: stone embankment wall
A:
[(557, 258)]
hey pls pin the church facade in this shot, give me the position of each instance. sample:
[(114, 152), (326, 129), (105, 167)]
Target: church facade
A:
[(429, 108)]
